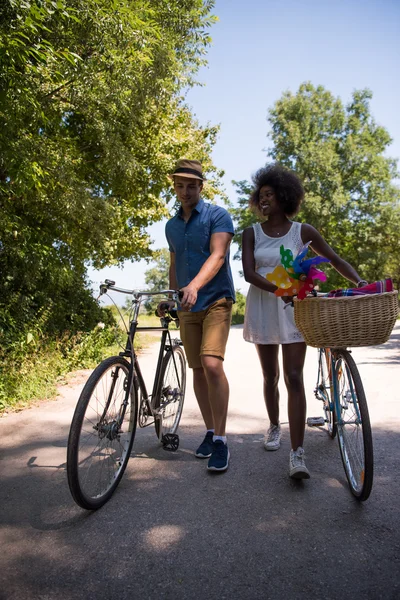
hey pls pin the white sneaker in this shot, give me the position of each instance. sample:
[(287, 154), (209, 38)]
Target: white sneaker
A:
[(273, 440), (297, 466)]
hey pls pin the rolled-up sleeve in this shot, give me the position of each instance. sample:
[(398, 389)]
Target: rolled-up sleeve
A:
[(221, 221)]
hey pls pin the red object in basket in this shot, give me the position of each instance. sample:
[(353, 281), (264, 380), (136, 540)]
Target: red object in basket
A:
[(378, 287)]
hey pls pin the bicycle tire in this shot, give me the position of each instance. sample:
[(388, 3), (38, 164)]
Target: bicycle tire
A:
[(98, 452), (326, 396), (169, 418), (353, 427)]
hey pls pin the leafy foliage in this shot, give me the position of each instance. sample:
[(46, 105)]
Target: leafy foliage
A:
[(239, 309), (31, 367), (157, 277), (339, 152), (91, 122)]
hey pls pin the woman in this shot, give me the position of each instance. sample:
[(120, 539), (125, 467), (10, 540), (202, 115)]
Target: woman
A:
[(269, 320)]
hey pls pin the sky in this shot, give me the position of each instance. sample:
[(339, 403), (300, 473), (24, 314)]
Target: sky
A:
[(262, 48)]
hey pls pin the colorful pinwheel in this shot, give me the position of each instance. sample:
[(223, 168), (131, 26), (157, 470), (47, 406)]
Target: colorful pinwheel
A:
[(295, 276)]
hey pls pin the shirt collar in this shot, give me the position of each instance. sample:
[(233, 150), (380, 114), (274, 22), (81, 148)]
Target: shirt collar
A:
[(198, 208)]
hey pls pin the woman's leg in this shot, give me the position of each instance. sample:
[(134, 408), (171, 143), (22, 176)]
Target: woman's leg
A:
[(293, 363), (268, 355)]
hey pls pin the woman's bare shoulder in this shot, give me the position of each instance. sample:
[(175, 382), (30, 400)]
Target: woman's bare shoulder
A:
[(248, 233)]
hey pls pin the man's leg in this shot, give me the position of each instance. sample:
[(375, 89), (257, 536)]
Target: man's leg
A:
[(191, 330), (200, 386), (218, 392), (216, 327)]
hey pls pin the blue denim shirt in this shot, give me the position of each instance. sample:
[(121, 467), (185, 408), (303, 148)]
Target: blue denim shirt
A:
[(190, 241)]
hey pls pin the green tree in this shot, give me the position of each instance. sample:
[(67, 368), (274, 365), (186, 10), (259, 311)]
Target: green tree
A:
[(92, 120), (339, 152), (157, 277), (239, 308)]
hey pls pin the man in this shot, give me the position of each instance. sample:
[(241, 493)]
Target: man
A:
[(199, 237)]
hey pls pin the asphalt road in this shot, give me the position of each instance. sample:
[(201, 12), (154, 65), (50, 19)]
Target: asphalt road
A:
[(174, 531)]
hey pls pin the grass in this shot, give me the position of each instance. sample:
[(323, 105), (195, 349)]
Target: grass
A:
[(31, 373)]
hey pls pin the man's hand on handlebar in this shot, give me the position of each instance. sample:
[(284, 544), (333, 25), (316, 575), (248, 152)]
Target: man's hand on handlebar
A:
[(189, 297), (164, 306)]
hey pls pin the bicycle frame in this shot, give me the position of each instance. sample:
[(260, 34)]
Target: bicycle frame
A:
[(135, 373), (336, 398), (334, 401), (114, 401)]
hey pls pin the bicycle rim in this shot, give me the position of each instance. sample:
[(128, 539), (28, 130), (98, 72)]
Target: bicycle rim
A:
[(101, 434), (171, 395), (353, 427)]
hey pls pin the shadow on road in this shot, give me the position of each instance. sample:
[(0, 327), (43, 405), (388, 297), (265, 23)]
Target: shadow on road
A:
[(175, 531)]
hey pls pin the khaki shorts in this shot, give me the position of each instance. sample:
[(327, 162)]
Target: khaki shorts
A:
[(206, 332)]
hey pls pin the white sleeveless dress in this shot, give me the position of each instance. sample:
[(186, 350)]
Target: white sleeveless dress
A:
[(268, 320)]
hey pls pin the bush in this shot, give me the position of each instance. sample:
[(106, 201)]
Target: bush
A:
[(32, 358), (33, 364), (239, 309)]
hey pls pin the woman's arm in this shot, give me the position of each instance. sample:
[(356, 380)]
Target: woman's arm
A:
[(249, 265), (321, 247)]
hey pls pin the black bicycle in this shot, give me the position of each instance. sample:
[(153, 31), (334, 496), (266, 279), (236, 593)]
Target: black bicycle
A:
[(115, 399)]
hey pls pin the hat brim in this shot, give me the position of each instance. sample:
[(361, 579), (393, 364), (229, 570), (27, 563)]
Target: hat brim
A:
[(186, 176)]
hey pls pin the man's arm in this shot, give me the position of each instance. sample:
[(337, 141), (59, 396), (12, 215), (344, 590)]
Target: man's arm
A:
[(219, 247), (173, 283)]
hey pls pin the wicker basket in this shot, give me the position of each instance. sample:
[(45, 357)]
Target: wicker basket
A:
[(347, 320)]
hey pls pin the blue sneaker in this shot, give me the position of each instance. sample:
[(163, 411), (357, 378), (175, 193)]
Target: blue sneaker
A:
[(219, 459), (206, 447)]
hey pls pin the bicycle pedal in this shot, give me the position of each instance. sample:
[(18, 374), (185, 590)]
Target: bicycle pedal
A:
[(170, 442), (315, 421)]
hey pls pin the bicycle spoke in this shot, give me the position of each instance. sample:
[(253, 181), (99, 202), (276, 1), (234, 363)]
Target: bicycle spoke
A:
[(171, 392), (103, 435), (354, 430)]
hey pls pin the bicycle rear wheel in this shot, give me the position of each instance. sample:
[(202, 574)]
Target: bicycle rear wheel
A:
[(171, 393), (102, 433), (353, 426), (324, 390)]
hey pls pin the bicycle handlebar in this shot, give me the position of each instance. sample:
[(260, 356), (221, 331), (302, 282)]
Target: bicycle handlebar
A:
[(110, 285)]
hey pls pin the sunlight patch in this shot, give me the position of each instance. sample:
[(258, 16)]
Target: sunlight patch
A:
[(162, 537)]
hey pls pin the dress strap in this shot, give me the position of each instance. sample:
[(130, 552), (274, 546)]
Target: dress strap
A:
[(295, 237), (257, 236)]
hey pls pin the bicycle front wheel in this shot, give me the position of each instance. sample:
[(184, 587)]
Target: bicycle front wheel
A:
[(102, 433), (171, 392), (324, 390), (353, 426)]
